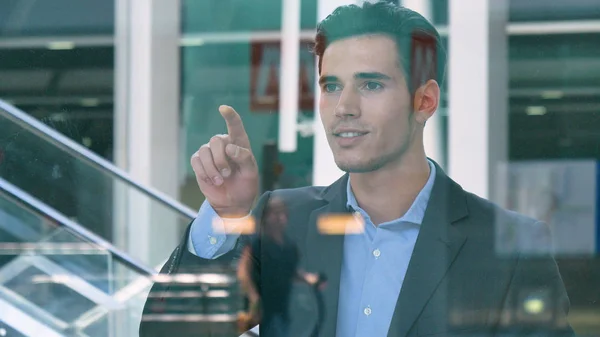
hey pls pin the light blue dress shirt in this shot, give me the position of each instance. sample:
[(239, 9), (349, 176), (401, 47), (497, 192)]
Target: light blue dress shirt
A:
[(374, 266), (208, 238), (374, 262)]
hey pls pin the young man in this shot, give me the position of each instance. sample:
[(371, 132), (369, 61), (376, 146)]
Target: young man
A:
[(426, 262)]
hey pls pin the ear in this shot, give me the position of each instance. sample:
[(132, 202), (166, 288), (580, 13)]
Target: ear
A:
[(426, 101)]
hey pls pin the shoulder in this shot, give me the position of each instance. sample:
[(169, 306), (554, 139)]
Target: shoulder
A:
[(485, 208), (513, 232)]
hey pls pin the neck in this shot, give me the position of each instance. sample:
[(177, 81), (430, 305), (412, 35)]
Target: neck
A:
[(387, 193)]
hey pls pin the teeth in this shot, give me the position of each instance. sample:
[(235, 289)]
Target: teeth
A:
[(349, 134)]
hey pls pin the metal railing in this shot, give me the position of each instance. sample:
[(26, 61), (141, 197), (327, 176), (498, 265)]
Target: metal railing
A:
[(44, 210)]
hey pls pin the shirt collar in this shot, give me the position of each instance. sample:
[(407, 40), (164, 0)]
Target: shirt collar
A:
[(415, 213)]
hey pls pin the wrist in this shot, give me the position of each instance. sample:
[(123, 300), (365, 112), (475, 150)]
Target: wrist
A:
[(233, 213), (234, 222)]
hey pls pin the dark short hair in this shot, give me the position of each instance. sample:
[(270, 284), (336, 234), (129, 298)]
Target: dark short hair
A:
[(403, 25)]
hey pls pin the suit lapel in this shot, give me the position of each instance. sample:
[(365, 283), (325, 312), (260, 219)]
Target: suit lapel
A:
[(436, 247), (324, 253)]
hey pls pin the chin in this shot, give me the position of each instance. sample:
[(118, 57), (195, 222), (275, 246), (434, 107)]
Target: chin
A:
[(358, 166), (365, 165)]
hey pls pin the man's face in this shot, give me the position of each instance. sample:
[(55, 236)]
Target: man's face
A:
[(365, 104)]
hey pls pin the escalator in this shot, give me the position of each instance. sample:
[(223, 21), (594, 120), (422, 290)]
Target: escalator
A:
[(59, 279), (64, 270)]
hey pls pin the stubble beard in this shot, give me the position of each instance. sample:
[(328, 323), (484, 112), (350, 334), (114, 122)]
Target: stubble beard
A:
[(376, 163)]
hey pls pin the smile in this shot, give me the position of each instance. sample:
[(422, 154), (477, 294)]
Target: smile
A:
[(348, 139), (349, 134)]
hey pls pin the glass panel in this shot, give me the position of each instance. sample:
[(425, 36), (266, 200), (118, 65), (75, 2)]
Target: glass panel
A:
[(552, 166), (79, 189), (100, 328), (7, 330), (61, 279), (244, 75), (56, 18), (71, 90), (532, 10), (556, 10), (554, 171), (212, 16), (50, 294)]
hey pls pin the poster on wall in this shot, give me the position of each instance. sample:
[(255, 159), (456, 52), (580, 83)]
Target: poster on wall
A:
[(561, 193), (264, 76)]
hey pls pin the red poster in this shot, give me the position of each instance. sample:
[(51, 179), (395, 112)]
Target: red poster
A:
[(264, 76)]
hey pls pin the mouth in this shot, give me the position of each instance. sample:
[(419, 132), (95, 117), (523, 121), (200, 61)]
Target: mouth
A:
[(349, 134), (347, 139)]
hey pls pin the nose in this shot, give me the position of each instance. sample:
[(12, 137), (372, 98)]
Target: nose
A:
[(348, 104)]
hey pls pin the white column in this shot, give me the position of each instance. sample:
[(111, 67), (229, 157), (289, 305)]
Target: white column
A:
[(432, 136), (147, 121), (478, 93), (289, 74)]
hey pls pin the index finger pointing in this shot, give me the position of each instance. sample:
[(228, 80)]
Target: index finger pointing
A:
[(235, 127)]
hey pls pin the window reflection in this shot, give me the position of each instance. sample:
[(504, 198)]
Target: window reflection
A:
[(65, 63)]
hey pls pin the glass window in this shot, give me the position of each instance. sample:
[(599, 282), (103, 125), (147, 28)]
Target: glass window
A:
[(533, 10), (554, 107), (443, 256), (245, 76), (212, 16), (56, 18)]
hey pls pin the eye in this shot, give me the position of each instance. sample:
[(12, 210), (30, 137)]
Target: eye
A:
[(372, 86), (331, 87)]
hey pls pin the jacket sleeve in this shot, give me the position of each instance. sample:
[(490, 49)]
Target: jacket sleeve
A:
[(182, 261)]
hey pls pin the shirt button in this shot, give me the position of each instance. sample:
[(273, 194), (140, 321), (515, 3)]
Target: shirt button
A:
[(367, 311), (212, 240), (376, 253)]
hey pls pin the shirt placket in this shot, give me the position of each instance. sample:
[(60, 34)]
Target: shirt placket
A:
[(366, 316)]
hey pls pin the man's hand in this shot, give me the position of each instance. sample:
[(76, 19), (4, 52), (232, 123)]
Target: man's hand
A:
[(226, 169), (313, 280), (255, 312)]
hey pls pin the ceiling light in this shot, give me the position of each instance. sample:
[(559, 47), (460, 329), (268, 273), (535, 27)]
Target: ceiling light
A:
[(536, 110), (87, 141), (61, 45), (552, 94), (534, 306), (90, 102)]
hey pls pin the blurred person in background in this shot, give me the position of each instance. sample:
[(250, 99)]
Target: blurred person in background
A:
[(425, 263), (272, 259)]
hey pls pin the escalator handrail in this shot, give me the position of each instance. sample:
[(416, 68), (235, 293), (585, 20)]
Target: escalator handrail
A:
[(56, 138), (50, 213)]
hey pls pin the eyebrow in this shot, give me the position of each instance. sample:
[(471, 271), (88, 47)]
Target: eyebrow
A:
[(359, 76), (326, 79), (372, 76)]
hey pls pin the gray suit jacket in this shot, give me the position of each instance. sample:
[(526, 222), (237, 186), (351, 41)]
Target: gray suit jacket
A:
[(460, 280)]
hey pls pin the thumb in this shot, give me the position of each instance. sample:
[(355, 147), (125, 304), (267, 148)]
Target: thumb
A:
[(241, 156)]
